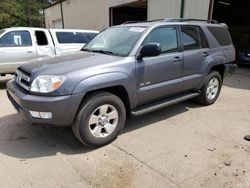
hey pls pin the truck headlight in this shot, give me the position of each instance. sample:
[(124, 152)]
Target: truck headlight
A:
[(47, 83)]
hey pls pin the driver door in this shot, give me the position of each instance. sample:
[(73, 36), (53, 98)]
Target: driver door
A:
[(160, 76)]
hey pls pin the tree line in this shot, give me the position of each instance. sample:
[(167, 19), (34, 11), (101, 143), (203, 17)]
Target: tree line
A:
[(22, 13)]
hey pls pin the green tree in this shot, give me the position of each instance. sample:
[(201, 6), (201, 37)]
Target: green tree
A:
[(22, 13)]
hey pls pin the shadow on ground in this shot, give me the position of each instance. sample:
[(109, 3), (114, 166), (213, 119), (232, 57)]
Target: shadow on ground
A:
[(240, 79), (19, 140), (3, 81)]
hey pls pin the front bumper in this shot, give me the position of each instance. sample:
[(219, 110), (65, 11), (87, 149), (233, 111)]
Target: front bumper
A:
[(230, 69), (63, 108)]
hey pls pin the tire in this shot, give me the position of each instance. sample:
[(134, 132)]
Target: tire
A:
[(208, 95), (93, 125)]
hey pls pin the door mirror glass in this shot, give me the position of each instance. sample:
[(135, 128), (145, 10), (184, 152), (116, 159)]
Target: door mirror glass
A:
[(150, 49)]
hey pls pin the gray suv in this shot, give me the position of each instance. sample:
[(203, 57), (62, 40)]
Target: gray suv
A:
[(126, 70)]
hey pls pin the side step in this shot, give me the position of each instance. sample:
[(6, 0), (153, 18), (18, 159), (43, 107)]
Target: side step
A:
[(163, 103)]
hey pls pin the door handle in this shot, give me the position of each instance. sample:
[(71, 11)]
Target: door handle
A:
[(205, 54), (177, 59), (29, 52)]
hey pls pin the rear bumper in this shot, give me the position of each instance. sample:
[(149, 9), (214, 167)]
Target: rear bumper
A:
[(63, 108), (230, 69)]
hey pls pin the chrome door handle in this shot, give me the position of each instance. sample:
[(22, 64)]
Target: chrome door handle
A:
[(177, 59), (205, 54), (29, 52)]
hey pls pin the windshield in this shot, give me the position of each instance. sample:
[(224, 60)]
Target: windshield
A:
[(115, 40), (2, 31)]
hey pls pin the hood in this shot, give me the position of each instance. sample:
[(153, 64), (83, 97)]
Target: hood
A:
[(65, 64)]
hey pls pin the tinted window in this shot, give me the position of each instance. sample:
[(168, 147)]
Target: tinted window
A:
[(16, 39), (190, 37), (74, 37), (166, 37), (221, 35), (41, 38), (203, 39)]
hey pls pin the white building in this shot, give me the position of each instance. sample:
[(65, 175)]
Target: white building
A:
[(98, 14)]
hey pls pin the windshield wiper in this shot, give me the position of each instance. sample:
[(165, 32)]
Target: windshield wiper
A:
[(103, 52), (86, 50), (100, 51)]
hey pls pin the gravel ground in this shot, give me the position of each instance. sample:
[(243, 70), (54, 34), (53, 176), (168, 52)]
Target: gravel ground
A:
[(184, 145)]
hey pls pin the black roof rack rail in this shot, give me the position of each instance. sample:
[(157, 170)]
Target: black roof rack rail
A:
[(131, 22), (189, 19)]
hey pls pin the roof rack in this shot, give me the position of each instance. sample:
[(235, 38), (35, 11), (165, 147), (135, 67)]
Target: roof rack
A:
[(189, 19), (131, 22), (173, 20)]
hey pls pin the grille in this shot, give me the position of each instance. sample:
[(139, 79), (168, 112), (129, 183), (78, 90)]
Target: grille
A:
[(22, 79)]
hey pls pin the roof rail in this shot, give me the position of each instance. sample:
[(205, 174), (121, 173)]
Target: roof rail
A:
[(132, 21), (189, 19)]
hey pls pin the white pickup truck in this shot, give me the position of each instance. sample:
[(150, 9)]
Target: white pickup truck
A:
[(21, 45)]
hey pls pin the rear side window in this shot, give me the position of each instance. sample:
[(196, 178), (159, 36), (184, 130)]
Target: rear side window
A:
[(41, 38), (74, 37), (16, 39), (203, 39), (190, 37), (221, 35), (193, 37)]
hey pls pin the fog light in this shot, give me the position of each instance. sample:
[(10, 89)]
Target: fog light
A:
[(35, 114), (41, 115), (46, 115)]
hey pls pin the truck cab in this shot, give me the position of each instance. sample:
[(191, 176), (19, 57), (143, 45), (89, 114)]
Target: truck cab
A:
[(21, 45)]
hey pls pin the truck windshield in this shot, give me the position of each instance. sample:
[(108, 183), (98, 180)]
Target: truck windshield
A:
[(117, 41), (2, 31)]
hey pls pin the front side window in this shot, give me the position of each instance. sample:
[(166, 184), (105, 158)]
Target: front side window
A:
[(166, 37), (16, 39), (74, 37), (115, 40), (190, 37)]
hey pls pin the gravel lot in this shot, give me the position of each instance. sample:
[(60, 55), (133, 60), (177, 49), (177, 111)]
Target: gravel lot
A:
[(184, 145)]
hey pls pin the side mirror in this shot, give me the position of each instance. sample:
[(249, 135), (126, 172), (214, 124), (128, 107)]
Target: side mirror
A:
[(150, 50)]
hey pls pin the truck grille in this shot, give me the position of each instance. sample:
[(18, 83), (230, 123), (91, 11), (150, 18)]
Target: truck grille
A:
[(22, 79)]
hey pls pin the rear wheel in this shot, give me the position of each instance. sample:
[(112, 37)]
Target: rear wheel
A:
[(100, 119), (211, 89)]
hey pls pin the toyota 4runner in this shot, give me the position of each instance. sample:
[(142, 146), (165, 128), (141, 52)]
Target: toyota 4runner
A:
[(126, 70)]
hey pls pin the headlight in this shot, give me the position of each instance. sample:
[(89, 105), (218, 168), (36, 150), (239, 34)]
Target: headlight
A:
[(47, 83)]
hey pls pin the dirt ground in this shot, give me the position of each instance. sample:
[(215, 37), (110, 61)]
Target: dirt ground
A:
[(184, 145)]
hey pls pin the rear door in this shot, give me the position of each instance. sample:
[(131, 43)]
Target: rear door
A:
[(160, 76), (16, 47), (196, 52)]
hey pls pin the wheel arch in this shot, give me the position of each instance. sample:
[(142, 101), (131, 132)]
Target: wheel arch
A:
[(117, 83)]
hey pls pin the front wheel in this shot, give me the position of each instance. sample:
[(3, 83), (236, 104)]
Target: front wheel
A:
[(211, 89), (100, 119)]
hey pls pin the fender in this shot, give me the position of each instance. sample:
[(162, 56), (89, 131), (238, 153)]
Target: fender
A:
[(106, 80), (214, 61)]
